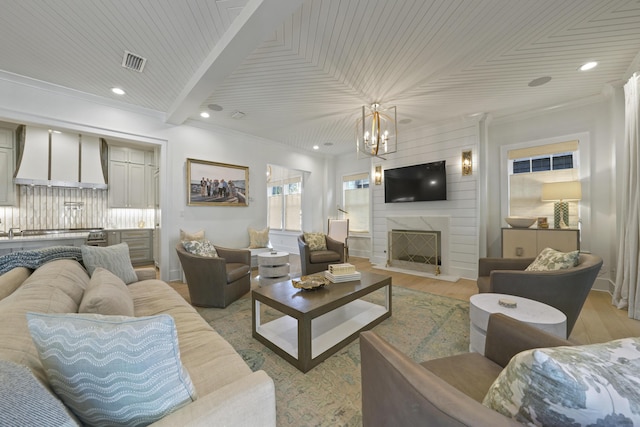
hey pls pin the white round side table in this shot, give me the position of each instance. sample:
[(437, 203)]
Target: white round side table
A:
[(534, 313), (273, 267)]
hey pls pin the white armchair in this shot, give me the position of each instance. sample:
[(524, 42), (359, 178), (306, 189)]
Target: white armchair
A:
[(338, 229)]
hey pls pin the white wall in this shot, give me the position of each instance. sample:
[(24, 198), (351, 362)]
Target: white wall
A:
[(439, 142), (32, 102), (594, 120)]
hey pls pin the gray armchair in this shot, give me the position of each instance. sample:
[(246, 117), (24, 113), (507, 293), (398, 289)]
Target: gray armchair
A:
[(397, 391), (216, 282), (565, 290), (317, 261)]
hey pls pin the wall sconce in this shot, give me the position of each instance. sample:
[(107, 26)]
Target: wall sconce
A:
[(467, 163), (377, 176)]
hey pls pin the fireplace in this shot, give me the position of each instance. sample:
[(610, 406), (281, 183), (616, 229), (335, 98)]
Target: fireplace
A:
[(415, 249), (422, 246)]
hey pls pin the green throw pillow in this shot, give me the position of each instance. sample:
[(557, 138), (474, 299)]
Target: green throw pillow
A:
[(595, 385), (113, 370), (316, 241), (114, 258), (550, 259)]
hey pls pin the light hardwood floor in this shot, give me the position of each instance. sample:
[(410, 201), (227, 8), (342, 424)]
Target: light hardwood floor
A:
[(599, 320)]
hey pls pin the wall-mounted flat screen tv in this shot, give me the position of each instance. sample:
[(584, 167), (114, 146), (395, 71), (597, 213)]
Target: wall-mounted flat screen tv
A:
[(417, 183)]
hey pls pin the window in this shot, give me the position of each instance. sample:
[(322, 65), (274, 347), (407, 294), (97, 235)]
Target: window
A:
[(284, 199), (355, 196), (531, 167), (546, 163)]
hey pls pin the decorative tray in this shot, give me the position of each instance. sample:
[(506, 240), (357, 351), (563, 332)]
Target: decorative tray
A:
[(310, 283)]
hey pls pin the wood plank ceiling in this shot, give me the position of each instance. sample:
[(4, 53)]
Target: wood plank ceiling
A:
[(301, 70)]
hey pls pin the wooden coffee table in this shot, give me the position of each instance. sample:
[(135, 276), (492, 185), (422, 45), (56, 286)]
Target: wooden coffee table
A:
[(316, 324)]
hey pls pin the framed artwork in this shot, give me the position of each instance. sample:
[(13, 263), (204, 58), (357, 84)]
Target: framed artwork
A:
[(216, 184)]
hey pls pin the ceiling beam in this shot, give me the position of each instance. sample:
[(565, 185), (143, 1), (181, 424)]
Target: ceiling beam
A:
[(258, 20)]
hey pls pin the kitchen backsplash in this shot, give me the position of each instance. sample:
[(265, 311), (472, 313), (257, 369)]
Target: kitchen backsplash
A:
[(41, 207)]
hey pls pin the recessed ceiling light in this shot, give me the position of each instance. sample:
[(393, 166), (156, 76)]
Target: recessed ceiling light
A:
[(328, 144), (214, 107), (539, 81), (588, 66), (117, 91), (316, 147), (204, 115)]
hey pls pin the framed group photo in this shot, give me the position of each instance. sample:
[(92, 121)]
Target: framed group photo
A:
[(216, 184)]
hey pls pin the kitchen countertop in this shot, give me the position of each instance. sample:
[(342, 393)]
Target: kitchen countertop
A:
[(71, 234)]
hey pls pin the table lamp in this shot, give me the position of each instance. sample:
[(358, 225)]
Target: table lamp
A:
[(561, 193)]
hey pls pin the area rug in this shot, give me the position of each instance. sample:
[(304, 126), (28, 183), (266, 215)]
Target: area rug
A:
[(422, 325)]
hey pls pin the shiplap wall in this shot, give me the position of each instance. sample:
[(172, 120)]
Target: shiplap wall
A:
[(429, 144)]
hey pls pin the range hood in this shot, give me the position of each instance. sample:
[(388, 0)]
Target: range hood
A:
[(60, 159)]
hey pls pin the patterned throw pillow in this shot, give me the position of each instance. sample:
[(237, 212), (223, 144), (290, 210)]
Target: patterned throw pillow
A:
[(316, 241), (113, 370), (25, 402), (197, 235), (550, 259), (114, 258), (106, 294), (200, 248), (258, 238), (578, 386)]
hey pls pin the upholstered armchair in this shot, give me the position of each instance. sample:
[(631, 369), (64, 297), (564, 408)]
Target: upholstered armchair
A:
[(216, 281), (565, 289), (319, 260), (397, 391)]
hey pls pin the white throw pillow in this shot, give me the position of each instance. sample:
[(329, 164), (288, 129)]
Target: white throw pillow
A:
[(113, 370), (594, 384)]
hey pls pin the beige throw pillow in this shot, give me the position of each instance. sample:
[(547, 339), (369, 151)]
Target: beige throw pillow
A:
[(258, 238), (197, 235), (316, 241), (106, 294)]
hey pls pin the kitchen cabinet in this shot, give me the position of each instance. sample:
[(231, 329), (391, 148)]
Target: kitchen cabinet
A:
[(129, 184), (140, 242), (529, 242), (7, 167)]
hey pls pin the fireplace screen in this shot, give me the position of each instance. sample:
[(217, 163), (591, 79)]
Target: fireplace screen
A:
[(415, 249)]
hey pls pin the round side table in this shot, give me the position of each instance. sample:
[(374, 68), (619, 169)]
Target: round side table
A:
[(534, 313), (273, 267)]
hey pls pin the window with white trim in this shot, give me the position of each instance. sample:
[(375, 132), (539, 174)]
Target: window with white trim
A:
[(355, 196), (531, 167), (284, 199)]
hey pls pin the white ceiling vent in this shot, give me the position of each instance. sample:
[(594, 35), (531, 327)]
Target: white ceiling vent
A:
[(134, 62)]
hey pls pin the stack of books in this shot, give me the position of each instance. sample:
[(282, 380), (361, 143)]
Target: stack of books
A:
[(342, 273)]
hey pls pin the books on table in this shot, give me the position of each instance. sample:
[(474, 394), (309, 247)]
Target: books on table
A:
[(342, 273)]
